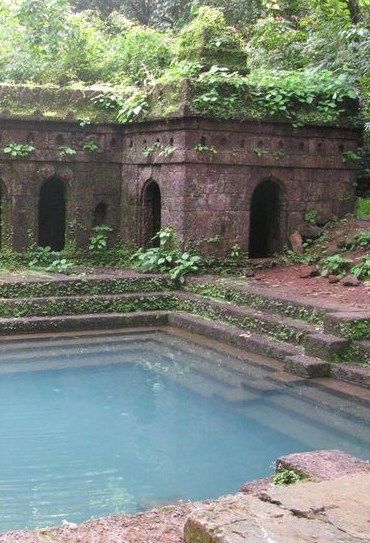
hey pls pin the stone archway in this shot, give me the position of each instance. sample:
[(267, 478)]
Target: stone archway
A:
[(266, 233), (151, 214), (52, 214)]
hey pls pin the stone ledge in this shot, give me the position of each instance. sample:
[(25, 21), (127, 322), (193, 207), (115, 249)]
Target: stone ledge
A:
[(326, 512), (323, 465), (352, 373)]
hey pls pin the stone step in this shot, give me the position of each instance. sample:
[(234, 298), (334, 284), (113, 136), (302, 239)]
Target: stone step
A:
[(362, 351), (234, 336), (307, 366), (97, 321), (86, 285), (326, 346), (353, 325), (352, 373), (78, 305), (277, 326), (241, 293)]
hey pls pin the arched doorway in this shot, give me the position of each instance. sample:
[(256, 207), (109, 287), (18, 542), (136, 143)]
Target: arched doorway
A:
[(151, 214), (266, 220), (52, 214)]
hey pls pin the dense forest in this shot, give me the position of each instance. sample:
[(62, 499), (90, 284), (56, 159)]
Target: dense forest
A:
[(243, 57)]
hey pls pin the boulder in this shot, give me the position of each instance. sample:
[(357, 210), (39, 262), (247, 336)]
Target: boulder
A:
[(308, 271)]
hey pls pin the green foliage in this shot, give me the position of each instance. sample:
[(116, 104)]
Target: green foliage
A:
[(162, 150), (65, 151), (138, 53), (299, 96), (363, 208), (60, 265), (310, 216), (99, 241), (336, 265), (350, 156), (20, 150), (206, 149), (90, 146), (287, 477), (208, 40), (40, 257), (362, 239), (362, 269), (167, 257), (259, 151)]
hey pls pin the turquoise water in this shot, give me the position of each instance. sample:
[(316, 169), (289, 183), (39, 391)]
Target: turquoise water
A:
[(98, 424)]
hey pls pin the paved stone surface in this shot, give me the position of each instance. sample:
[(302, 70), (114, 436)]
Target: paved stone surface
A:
[(336, 511)]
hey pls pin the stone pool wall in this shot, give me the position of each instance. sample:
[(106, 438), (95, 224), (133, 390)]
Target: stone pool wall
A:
[(209, 180)]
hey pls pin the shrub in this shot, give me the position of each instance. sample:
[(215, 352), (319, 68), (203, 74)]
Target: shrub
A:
[(167, 257), (40, 257), (19, 149), (336, 265), (363, 208), (362, 270), (60, 265), (99, 253), (209, 40), (287, 477)]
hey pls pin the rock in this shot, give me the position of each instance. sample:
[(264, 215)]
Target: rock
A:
[(332, 248), (257, 486), (311, 231), (296, 242), (310, 512), (249, 273), (323, 465), (308, 271), (333, 279), (70, 116), (350, 281)]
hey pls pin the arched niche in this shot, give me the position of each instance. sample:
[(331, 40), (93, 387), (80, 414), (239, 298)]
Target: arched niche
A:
[(151, 214), (100, 214), (52, 214), (267, 219)]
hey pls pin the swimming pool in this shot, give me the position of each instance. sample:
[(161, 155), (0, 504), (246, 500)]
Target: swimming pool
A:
[(95, 424)]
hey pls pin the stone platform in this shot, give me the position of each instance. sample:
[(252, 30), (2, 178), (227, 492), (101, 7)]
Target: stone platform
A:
[(334, 511)]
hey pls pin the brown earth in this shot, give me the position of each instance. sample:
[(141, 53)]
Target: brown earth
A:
[(286, 280)]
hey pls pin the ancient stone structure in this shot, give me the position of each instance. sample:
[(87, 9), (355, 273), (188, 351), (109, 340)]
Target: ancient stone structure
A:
[(248, 183)]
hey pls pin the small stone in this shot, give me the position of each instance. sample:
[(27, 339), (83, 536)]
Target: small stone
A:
[(333, 279), (308, 271), (249, 273), (38, 114), (70, 116), (296, 242), (350, 281), (311, 231)]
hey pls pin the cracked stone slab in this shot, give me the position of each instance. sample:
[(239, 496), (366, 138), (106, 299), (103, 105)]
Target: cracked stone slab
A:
[(343, 502), (336, 511)]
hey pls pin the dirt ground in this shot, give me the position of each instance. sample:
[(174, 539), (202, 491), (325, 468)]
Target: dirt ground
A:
[(286, 280), (158, 526)]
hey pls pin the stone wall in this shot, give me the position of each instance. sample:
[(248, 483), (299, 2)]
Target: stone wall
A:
[(207, 182), (205, 172)]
